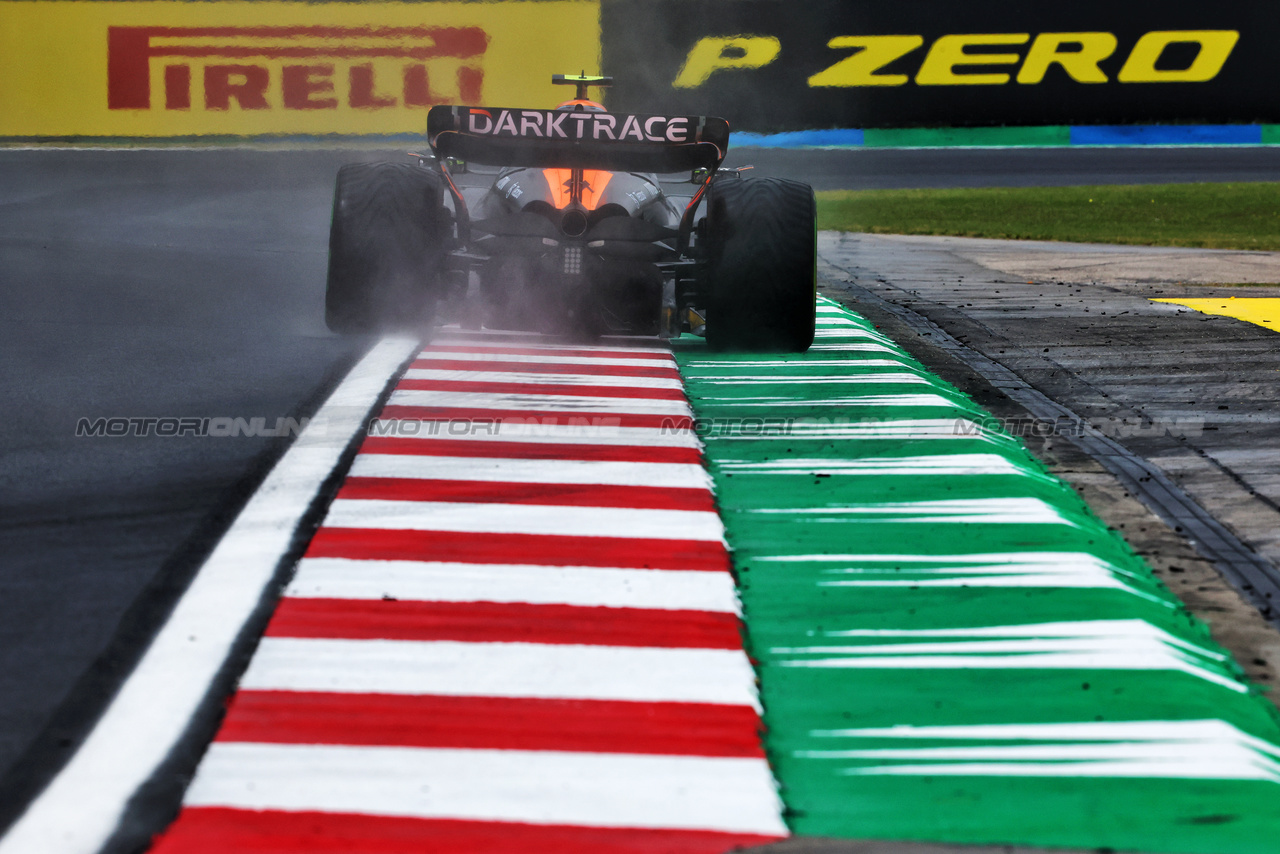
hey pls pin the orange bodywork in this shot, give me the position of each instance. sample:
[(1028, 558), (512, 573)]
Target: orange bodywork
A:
[(593, 183)]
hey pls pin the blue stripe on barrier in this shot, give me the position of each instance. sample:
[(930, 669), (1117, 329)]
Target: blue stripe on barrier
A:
[(1167, 135), (798, 139), (1079, 135)]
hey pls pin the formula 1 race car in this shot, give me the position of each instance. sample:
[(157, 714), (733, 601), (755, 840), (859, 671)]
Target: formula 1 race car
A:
[(574, 234)]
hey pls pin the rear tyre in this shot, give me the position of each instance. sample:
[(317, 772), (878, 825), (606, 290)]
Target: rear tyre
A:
[(761, 265), (386, 248)]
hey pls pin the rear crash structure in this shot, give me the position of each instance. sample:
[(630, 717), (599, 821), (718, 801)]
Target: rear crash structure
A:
[(575, 234)]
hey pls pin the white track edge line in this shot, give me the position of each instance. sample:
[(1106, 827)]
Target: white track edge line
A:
[(80, 809)]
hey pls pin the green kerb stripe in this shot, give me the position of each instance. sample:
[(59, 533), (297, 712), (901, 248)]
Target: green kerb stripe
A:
[(993, 136), (951, 646)]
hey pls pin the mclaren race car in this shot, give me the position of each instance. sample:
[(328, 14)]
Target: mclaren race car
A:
[(573, 233)]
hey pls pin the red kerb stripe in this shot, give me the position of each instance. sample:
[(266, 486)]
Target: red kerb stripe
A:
[(545, 417), (530, 450), (219, 830), (493, 723), (539, 549), (558, 494), (502, 622)]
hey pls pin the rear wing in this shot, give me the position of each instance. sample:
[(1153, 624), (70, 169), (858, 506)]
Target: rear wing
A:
[(577, 139)]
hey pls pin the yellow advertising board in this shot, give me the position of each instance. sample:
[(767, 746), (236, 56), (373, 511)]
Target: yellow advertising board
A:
[(157, 69)]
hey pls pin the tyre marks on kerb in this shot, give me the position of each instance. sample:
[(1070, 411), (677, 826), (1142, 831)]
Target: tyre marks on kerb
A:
[(514, 636), (951, 646)]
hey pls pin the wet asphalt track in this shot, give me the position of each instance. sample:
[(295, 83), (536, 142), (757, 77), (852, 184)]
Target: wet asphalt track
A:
[(190, 284)]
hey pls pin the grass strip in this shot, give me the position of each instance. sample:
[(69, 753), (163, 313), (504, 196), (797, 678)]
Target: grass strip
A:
[(1212, 216)]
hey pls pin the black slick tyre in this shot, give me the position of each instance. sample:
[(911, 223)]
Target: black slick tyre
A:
[(387, 242), (761, 254)]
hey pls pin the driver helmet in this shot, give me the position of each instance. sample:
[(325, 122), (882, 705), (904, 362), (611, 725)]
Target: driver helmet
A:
[(583, 106)]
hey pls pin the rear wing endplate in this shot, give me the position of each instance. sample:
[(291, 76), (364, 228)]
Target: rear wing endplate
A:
[(577, 139)]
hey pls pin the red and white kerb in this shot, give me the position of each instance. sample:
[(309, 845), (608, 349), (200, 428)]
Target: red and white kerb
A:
[(515, 630)]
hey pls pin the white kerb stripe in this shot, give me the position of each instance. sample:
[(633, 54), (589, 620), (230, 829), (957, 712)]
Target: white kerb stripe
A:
[(543, 379), (932, 464), (548, 359), (485, 518), (499, 470), (533, 429), (537, 787), (886, 378), (793, 364), (343, 578), (502, 670), (567, 403), (846, 347), (772, 401), (717, 365), (80, 809)]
